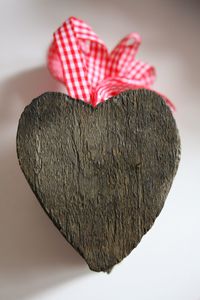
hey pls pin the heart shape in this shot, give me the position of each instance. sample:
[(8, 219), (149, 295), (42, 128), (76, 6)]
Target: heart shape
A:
[(101, 174)]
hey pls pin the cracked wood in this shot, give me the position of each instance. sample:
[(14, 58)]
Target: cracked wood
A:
[(101, 174)]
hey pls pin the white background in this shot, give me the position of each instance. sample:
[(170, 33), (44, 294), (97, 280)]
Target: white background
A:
[(35, 260)]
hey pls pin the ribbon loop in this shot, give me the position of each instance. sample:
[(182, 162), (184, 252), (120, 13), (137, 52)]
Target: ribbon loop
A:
[(72, 61), (80, 59), (123, 55)]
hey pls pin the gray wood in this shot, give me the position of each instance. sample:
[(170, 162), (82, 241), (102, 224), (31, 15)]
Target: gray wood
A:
[(101, 174)]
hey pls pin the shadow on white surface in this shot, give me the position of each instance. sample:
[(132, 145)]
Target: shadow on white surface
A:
[(18, 91), (33, 254)]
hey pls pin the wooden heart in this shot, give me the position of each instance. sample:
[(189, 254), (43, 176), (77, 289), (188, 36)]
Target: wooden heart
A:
[(101, 174)]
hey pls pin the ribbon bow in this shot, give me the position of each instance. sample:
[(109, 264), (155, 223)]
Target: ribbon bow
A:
[(80, 59)]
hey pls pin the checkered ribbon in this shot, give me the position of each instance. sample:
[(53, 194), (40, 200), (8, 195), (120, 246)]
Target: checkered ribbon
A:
[(80, 59)]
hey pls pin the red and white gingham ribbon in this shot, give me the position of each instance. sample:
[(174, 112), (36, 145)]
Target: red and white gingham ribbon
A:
[(80, 59)]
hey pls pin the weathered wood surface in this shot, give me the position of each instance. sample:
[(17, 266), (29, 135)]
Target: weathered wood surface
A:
[(102, 174)]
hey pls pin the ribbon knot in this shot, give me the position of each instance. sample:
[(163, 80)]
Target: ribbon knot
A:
[(80, 59)]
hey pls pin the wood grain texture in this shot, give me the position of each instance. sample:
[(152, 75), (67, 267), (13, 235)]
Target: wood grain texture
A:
[(101, 174)]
